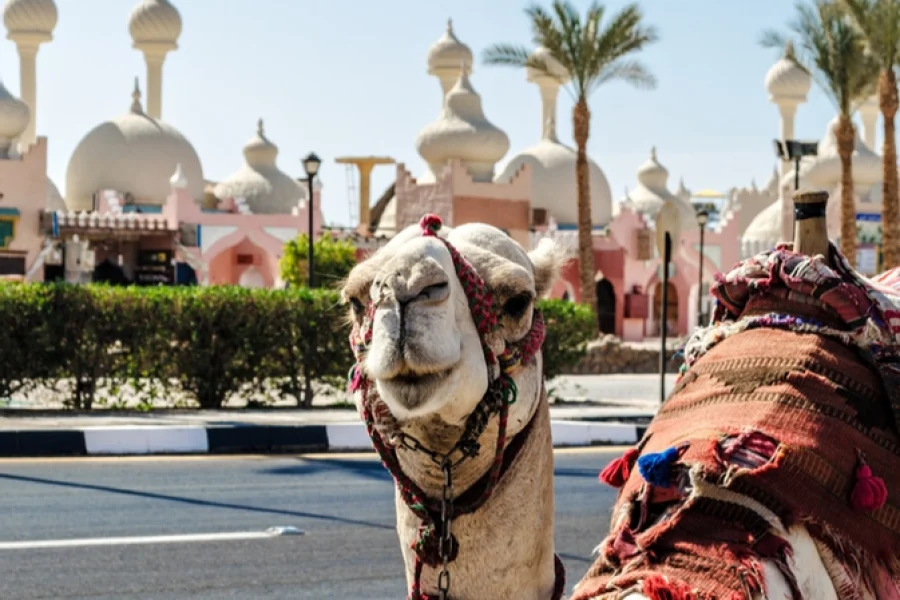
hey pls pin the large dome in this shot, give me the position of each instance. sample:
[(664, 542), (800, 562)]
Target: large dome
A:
[(824, 170), (764, 231), (14, 118), (131, 153), (259, 181), (554, 187)]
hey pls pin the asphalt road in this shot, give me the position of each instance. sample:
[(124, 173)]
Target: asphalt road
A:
[(343, 505)]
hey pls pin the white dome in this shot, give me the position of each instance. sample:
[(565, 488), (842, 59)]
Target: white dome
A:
[(155, 22), (554, 186), (14, 118), (131, 153), (32, 18), (449, 53), (786, 80), (463, 132), (554, 72), (652, 192), (259, 182), (824, 170), (54, 198), (764, 231)]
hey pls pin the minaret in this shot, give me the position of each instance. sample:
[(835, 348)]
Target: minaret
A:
[(788, 85), (155, 26), (445, 57), (869, 112), (29, 23), (549, 76)]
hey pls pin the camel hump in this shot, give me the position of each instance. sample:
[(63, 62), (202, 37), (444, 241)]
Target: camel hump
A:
[(810, 226)]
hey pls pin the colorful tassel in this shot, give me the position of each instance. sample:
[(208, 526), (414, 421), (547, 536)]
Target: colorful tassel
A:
[(869, 492), (657, 587), (617, 472), (656, 468)]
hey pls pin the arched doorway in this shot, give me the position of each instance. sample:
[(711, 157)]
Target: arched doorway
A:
[(671, 310), (606, 305)]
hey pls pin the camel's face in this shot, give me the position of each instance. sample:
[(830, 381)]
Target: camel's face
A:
[(426, 354)]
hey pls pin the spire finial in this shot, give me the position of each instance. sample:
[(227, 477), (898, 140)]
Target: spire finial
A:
[(653, 153), (789, 49), (450, 26), (136, 97), (260, 131)]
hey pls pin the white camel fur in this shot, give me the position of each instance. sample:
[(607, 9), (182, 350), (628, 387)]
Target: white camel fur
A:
[(427, 364)]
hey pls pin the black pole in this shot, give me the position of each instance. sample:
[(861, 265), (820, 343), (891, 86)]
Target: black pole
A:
[(309, 257), (663, 317), (700, 288), (797, 173)]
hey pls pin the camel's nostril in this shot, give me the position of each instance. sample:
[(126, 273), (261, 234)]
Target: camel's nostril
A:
[(435, 292)]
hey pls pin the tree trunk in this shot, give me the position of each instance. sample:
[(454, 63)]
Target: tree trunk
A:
[(581, 120), (890, 205), (846, 136)]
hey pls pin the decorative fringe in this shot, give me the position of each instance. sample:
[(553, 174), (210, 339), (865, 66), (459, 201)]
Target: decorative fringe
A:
[(869, 492), (618, 471), (656, 468), (658, 587)]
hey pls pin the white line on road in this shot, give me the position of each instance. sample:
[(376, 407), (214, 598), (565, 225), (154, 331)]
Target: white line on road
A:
[(272, 532)]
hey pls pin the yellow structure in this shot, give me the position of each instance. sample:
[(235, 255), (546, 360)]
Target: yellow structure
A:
[(365, 164)]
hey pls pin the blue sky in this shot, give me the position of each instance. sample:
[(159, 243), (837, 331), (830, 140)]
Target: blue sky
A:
[(344, 77)]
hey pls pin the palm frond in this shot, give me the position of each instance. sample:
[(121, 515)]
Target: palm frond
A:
[(506, 54), (629, 71), (879, 23)]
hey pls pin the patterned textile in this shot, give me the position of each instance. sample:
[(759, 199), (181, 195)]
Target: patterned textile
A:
[(773, 427), (840, 304)]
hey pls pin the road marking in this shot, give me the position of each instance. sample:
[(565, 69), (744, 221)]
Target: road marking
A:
[(360, 455), (272, 532)]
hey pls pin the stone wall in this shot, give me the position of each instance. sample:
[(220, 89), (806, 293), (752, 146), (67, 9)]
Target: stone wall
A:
[(609, 355)]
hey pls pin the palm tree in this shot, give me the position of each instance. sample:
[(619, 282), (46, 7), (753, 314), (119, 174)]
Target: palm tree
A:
[(879, 22), (834, 51), (593, 53)]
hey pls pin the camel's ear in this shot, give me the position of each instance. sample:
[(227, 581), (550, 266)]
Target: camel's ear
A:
[(548, 259)]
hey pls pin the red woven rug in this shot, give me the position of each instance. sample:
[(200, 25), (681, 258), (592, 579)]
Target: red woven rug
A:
[(775, 416)]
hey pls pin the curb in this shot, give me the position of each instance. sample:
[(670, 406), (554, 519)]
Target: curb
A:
[(266, 439)]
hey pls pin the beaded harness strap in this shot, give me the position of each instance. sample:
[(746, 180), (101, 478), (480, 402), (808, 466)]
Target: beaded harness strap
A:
[(436, 547)]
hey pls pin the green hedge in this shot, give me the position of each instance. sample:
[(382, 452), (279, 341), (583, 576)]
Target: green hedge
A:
[(204, 344)]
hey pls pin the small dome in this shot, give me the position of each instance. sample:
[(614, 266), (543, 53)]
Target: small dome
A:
[(553, 184), (682, 192), (132, 153), (463, 132), (154, 22), (764, 231), (178, 180), (14, 118), (554, 71), (264, 188), (787, 80), (35, 18), (652, 192), (449, 53)]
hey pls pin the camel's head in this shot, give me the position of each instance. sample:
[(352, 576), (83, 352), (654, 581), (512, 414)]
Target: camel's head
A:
[(425, 354)]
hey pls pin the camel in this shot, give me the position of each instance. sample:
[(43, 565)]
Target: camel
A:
[(771, 470), (449, 381)]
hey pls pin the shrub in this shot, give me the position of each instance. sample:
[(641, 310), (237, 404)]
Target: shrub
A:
[(209, 343), (333, 261), (570, 327)]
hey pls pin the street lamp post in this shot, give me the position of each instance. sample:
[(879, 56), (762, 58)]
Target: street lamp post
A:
[(702, 218), (795, 150), (311, 166)]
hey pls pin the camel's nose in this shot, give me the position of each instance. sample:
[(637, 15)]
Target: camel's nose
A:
[(423, 281)]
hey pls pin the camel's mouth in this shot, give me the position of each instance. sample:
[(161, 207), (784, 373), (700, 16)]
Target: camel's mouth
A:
[(413, 379)]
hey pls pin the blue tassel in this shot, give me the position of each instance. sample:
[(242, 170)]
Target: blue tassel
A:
[(656, 469)]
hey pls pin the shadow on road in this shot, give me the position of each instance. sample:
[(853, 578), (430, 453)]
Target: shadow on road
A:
[(191, 501), (369, 469)]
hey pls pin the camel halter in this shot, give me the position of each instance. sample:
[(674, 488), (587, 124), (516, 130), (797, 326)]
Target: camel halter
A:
[(436, 546)]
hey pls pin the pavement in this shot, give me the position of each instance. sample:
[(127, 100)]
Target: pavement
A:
[(593, 410), (196, 527)]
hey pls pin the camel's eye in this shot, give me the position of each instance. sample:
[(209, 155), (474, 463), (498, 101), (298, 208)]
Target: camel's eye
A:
[(357, 305), (515, 307)]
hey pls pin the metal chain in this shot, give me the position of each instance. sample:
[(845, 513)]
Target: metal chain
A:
[(446, 521)]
